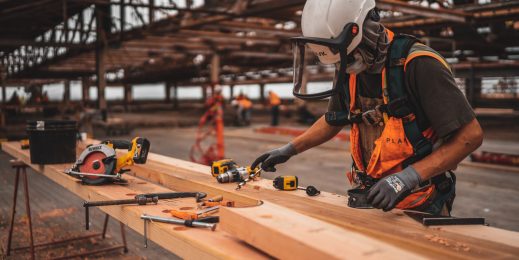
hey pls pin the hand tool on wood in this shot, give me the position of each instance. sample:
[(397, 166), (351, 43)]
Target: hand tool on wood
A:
[(427, 219), (216, 201), (291, 183), (99, 164), (209, 222), (192, 215), (174, 195), (137, 200), (252, 176), (358, 198), (141, 199)]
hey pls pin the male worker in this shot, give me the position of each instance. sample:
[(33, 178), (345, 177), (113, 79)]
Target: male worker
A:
[(245, 109), (274, 103), (400, 98)]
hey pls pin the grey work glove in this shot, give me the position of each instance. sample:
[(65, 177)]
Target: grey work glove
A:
[(270, 159), (389, 191)]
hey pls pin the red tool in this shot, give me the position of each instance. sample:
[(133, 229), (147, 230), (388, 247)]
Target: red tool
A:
[(210, 126)]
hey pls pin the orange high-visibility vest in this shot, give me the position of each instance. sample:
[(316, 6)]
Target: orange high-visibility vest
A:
[(392, 148), (274, 99), (245, 103)]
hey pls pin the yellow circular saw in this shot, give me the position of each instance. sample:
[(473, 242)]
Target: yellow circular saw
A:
[(99, 164)]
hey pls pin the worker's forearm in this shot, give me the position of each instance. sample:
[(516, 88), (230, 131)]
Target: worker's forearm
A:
[(317, 134), (451, 153)]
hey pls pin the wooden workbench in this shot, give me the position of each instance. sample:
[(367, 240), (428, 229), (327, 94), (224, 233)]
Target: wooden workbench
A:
[(269, 223)]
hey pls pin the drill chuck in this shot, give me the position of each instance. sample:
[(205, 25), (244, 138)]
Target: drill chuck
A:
[(234, 175)]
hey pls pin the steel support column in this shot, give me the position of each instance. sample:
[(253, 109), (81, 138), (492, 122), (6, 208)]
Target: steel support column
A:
[(127, 96), (167, 88), (3, 76), (175, 96), (85, 91), (102, 17), (262, 92), (66, 92)]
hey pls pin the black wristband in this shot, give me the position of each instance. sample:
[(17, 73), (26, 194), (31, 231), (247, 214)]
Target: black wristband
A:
[(337, 118)]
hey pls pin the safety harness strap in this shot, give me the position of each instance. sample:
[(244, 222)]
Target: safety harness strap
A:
[(398, 52)]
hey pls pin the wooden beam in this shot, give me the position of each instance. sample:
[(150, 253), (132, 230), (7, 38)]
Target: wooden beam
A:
[(186, 243), (391, 227), (291, 235)]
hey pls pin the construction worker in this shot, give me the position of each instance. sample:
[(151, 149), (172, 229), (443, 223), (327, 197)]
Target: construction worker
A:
[(410, 124), (274, 103), (246, 109)]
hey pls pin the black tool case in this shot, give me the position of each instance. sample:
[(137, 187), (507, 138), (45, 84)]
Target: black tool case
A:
[(52, 141)]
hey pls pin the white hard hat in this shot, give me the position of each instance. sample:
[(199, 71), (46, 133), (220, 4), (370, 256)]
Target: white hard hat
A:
[(327, 18)]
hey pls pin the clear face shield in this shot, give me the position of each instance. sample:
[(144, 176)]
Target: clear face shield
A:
[(323, 59)]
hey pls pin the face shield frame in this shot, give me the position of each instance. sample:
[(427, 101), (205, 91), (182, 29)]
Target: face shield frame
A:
[(336, 45)]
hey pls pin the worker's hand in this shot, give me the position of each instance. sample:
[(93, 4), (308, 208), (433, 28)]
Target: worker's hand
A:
[(389, 191), (270, 159)]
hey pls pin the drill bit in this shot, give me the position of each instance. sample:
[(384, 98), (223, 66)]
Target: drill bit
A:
[(252, 176)]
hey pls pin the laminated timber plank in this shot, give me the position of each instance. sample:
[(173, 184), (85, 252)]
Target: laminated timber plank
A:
[(392, 227), (199, 243), (186, 243), (290, 235)]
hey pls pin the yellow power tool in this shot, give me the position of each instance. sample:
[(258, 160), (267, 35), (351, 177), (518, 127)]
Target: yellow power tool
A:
[(221, 166), (99, 164), (291, 183), (226, 171)]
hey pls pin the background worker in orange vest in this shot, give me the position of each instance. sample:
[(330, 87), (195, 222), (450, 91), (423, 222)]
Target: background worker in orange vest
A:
[(410, 124), (274, 103), (245, 109)]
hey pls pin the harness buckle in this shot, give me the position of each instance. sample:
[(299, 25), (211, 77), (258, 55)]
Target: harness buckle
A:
[(355, 118)]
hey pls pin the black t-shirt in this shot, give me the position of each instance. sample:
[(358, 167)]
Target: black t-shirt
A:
[(432, 91)]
